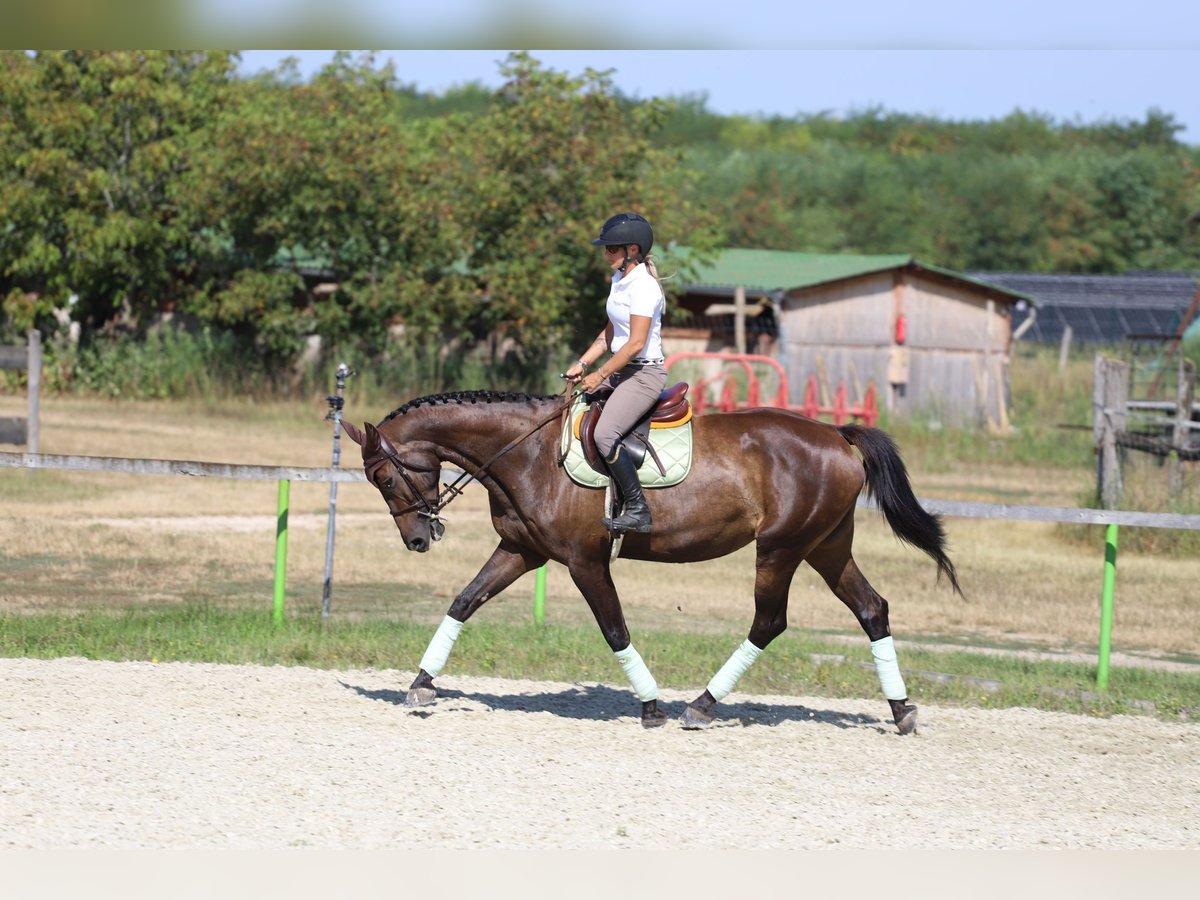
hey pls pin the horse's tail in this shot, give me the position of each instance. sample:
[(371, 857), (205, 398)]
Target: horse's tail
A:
[(887, 483)]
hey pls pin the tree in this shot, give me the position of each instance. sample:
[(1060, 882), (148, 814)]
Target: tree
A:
[(327, 177), (94, 149), (470, 228), (552, 159)]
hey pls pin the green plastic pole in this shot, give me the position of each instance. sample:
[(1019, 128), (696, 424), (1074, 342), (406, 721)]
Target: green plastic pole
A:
[(539, 597), (281, 551), (1106, 606)]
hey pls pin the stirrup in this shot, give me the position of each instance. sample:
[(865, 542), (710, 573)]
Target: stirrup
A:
[(625, 522)]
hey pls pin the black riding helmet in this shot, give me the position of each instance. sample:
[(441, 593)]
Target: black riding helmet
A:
[(626, 228)]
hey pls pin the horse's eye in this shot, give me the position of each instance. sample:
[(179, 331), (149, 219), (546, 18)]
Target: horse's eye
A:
[(388, 484)]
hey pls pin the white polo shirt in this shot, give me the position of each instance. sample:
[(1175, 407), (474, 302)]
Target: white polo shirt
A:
[(636, 293)]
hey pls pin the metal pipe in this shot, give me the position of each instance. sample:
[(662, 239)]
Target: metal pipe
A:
[(1106, 605), (336, 402), (539, 596), (281, 551)]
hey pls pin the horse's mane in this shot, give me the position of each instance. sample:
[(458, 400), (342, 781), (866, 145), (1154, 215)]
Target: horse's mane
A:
[(464, 397)]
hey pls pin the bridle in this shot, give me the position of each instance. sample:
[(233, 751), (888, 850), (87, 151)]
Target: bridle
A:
[(433, 510), (430, 511)]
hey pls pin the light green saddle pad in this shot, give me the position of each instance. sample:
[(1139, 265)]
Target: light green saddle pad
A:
[(673, 446)]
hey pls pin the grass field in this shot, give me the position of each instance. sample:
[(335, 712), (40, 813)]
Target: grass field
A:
[(87, 544)]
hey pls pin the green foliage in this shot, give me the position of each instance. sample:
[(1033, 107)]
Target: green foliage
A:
[(260, 305), (1020, 193), (470, 226), (551, 159), (94, 151), (398, 224), (166, 363)]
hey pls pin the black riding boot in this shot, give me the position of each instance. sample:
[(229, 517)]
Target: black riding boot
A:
[(636, 515)]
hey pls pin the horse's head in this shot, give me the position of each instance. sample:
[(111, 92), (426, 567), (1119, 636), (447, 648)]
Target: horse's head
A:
[(408, 477)]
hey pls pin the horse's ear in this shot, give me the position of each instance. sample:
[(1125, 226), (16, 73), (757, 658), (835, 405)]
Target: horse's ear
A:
[(353, 433), (370, 445)]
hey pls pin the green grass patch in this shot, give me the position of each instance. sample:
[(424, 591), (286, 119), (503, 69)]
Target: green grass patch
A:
[(797, 664)]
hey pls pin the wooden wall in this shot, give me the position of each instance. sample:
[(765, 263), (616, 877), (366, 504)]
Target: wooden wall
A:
[(953, 366)]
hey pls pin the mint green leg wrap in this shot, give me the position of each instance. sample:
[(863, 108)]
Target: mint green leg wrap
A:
[(639, 676), (735, 667), (884, 652), (439, 648)]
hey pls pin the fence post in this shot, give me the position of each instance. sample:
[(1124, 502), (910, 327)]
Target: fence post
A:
[(1106, 605), (281, 551), (14, 429), (33, 424), (1064, 348), (1184, 394), (1110, 391), (739, 319)]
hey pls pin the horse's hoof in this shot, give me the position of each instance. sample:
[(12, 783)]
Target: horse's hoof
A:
[(422, 696), (694, 720), (652, 715), (907, 723)]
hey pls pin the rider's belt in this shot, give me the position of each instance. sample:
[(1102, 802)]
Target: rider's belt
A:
[(645, 361)]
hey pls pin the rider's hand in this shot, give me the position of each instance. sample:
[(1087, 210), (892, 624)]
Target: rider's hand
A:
[(574, 373), (591, 382)]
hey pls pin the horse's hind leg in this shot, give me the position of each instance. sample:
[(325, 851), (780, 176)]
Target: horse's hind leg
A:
[(774, 571), (833, 561)]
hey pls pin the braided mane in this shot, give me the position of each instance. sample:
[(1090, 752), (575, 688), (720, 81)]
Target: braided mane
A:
[(461, 397)]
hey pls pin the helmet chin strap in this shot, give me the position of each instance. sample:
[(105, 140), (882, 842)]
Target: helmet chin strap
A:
[(627, 260)]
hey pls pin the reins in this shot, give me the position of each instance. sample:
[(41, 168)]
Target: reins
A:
[(432, 511)]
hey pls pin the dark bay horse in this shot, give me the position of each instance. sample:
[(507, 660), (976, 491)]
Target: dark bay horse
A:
[(786, 482)]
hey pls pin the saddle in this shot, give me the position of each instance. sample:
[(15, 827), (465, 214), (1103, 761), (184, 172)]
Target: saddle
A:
[(672, 410)]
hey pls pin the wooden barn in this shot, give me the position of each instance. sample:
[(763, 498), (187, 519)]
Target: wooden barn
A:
[(935, 343)]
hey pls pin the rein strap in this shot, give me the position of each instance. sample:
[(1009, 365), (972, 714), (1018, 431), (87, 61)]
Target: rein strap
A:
[(433, 511), (455, 490)]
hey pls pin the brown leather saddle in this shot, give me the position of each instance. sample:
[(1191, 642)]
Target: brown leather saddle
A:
[(672, 408)]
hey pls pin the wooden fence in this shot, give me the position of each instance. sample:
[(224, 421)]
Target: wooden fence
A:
[(14, 429), (1111, 518), (1115, 414)]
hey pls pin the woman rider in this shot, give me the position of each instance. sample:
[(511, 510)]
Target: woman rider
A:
[(635, 368)]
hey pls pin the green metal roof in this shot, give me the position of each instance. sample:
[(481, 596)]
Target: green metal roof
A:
[(780, 270)]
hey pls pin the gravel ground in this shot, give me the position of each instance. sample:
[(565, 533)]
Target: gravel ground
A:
[(197, 756)]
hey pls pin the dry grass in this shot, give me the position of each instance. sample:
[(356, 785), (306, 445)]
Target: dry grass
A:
[(77, 540)]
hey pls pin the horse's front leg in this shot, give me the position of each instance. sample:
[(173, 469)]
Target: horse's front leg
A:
[(507, 563), (594, 581)]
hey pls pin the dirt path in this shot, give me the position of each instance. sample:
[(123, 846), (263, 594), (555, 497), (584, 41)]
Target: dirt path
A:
[(101, 754)]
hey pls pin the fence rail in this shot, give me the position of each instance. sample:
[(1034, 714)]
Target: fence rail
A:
[(1068, 514), (953, 508), (1112, 518), (176, 467)]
